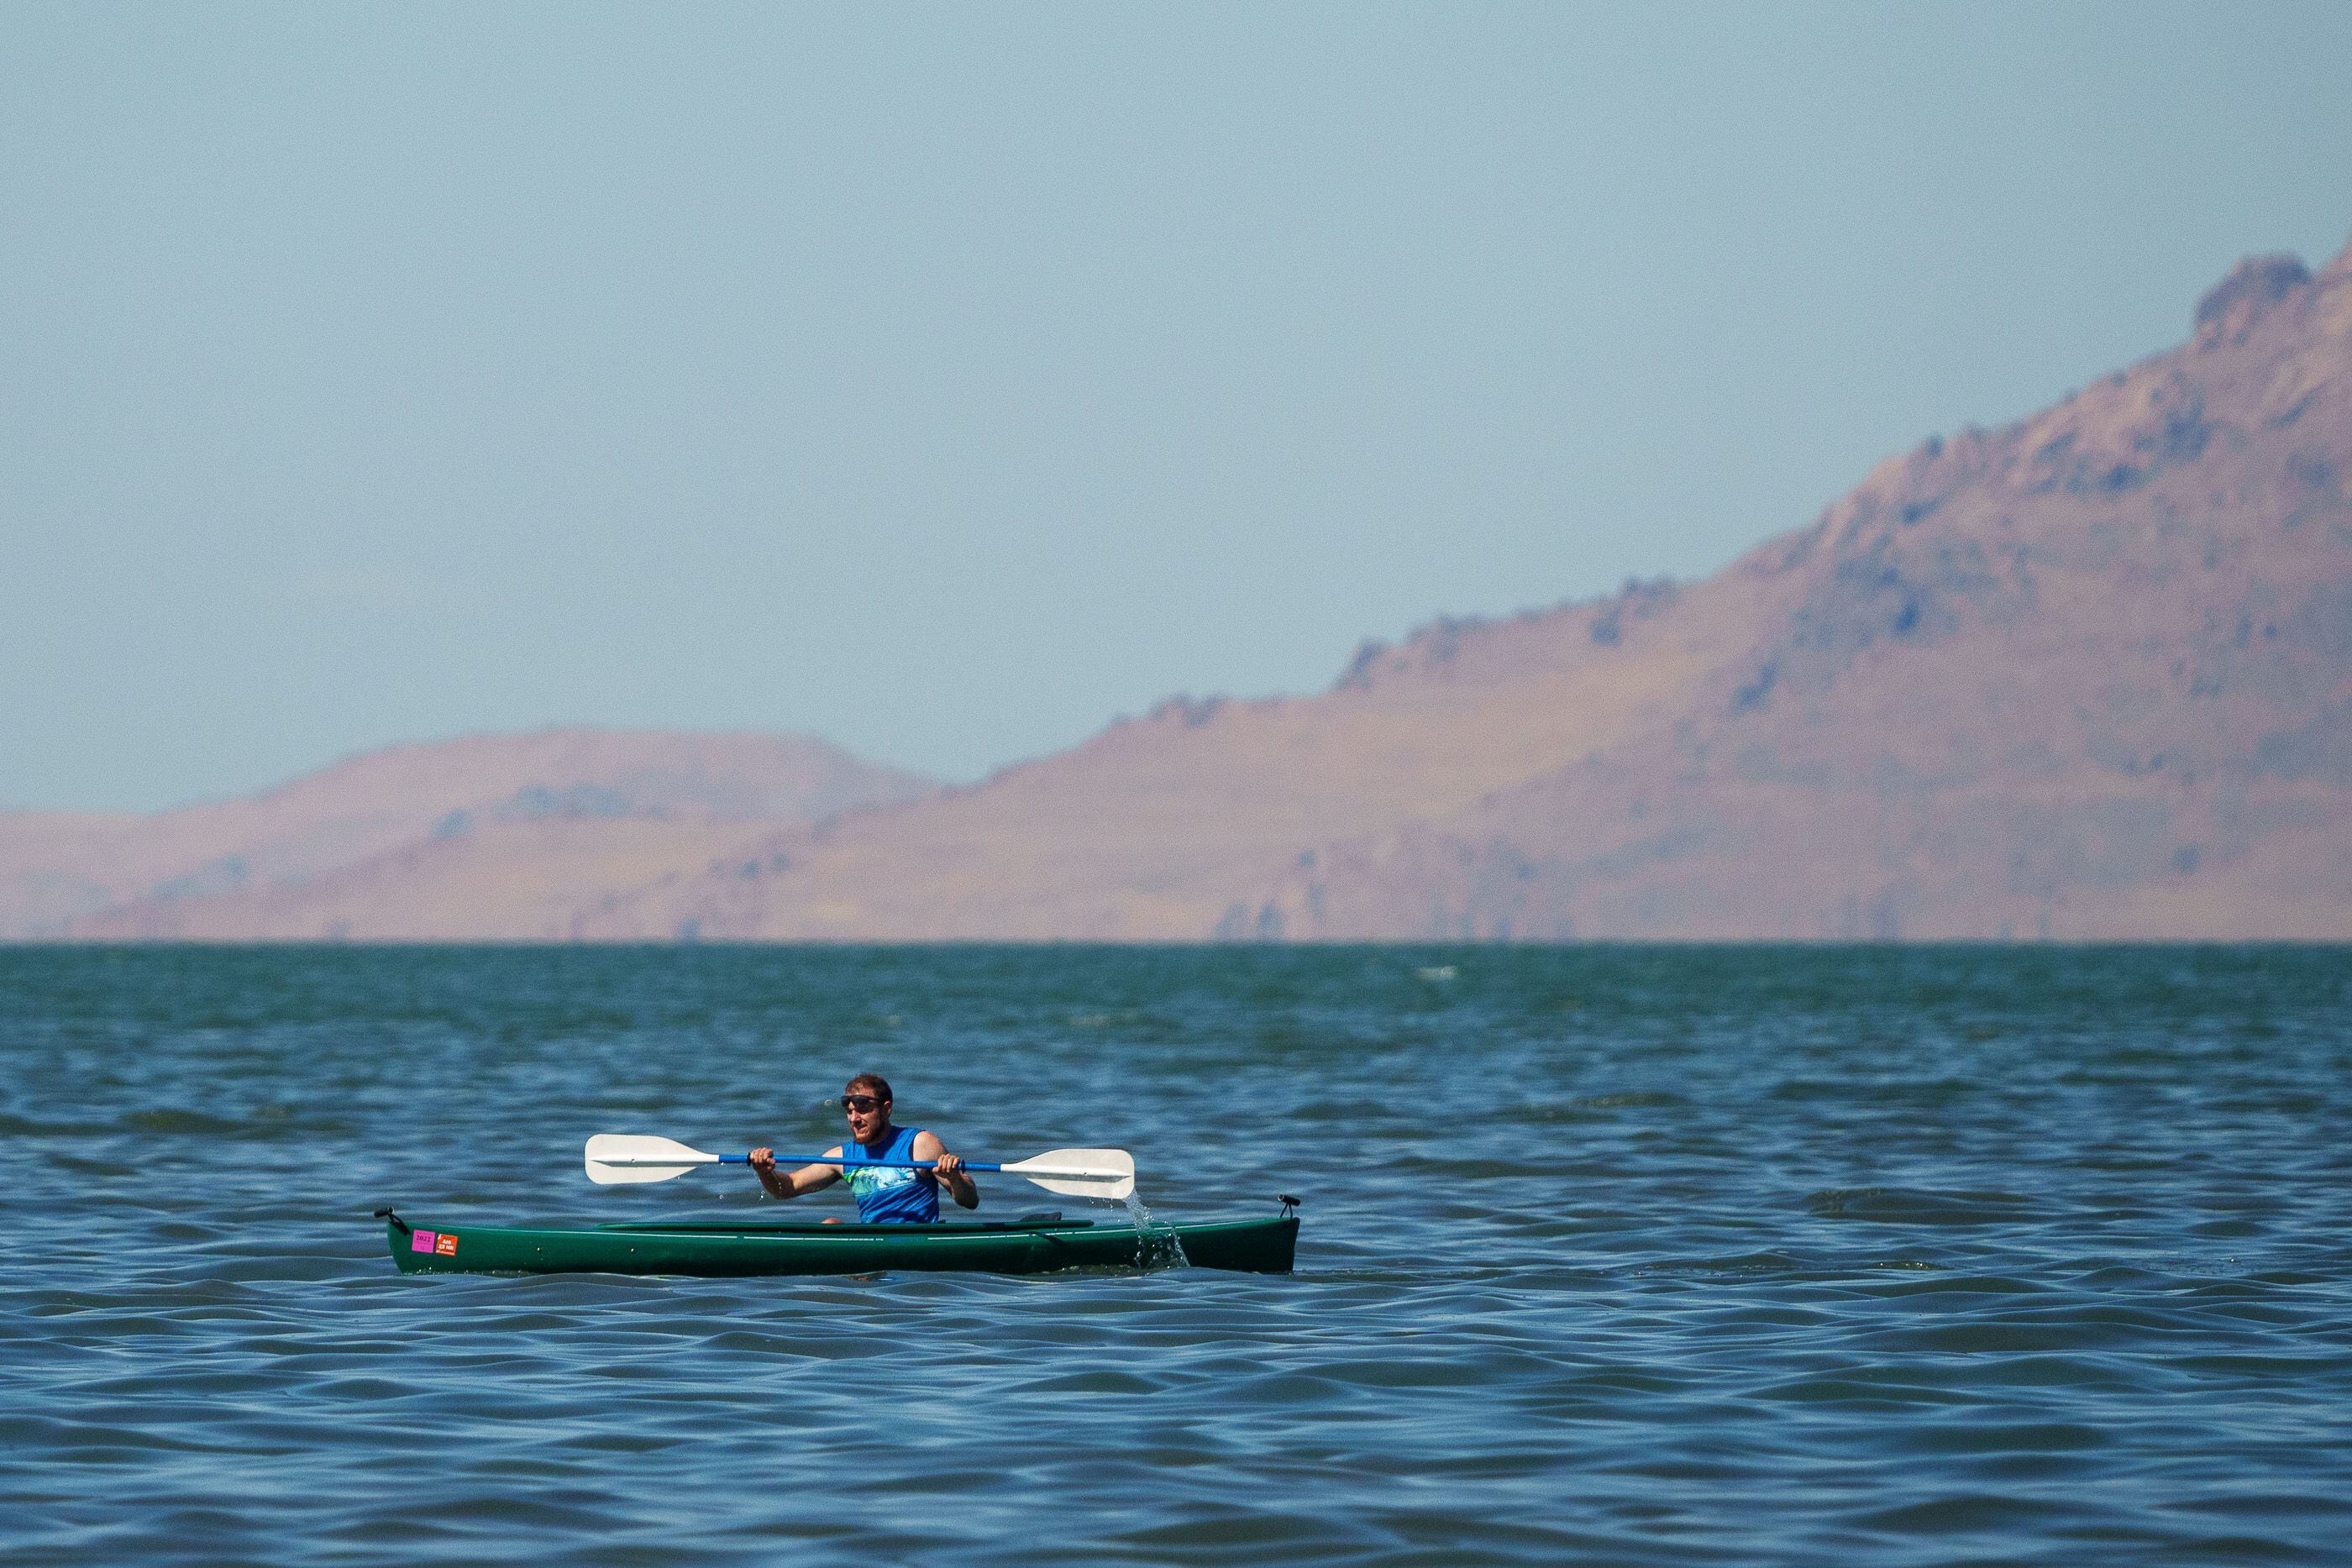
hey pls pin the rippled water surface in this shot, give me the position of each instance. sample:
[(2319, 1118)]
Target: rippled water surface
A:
[(1642, 1255)]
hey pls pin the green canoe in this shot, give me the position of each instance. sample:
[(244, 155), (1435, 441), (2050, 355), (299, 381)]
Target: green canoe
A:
[(1019, 1247)]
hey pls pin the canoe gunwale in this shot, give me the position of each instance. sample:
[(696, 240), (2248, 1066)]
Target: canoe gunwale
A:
[(817, 1227)]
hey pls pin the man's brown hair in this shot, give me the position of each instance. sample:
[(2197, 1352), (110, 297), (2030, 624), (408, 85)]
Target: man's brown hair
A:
[(873, 1083)]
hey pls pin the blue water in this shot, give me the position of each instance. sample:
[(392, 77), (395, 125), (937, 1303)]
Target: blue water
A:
[(1638, 1255)]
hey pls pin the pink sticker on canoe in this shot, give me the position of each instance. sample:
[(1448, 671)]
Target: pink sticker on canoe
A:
[(420, 1241)]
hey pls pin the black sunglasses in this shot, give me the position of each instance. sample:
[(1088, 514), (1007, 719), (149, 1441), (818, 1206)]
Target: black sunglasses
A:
[(860, 1102)]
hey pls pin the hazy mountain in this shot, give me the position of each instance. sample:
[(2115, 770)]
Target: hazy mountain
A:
[(2086, 675), (487, 836)]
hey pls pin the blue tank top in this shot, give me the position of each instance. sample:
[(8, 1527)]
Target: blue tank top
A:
[(887, 1197)]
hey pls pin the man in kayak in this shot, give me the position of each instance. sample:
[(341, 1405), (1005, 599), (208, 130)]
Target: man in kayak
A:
[(883, 1195)]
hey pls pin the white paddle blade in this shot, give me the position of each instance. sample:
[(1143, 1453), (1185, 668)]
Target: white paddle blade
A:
[(1080, 1172), (616, 1159)]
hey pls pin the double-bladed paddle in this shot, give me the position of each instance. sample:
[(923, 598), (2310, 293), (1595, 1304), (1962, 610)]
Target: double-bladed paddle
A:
[(618, 1158)]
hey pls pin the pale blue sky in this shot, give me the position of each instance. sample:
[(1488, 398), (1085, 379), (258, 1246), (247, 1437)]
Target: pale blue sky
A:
[(948, 381)]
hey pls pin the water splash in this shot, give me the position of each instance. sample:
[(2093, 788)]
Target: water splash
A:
[(1160, 1246)]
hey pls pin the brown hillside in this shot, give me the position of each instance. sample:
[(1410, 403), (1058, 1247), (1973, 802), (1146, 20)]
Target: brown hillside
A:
[(2089, 676), (289, 862)]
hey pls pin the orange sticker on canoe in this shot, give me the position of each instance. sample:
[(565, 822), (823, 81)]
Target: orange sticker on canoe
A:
[(445, 1244)]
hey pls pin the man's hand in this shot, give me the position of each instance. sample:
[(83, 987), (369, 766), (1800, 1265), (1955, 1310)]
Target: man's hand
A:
[(763, 1160), (949, 1169)]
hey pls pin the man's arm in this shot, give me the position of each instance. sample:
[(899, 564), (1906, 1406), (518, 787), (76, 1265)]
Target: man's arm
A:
[(792, 1184), (952, 1173)]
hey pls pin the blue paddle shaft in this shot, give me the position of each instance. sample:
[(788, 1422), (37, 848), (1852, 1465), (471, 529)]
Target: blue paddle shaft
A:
[(837, 1160)]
